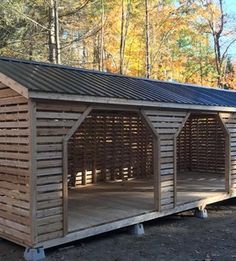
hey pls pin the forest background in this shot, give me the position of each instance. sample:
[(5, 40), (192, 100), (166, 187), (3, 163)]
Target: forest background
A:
[(176, 40)]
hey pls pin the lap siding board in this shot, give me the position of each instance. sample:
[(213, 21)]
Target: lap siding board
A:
[(53, 120), (14, 167)]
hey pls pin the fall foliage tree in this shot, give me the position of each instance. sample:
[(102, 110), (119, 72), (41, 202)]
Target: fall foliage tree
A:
[(178, 40)]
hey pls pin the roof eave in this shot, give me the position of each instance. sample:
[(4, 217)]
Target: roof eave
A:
[(9, 82), (117, 101)]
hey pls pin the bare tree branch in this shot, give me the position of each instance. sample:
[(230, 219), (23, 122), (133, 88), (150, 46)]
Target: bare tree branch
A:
[(88, 34), (78, 9), (227, 48), (27, 17)]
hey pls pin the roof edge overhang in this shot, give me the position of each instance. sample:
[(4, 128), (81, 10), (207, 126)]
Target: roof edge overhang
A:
[(9, 82), (125, 102)]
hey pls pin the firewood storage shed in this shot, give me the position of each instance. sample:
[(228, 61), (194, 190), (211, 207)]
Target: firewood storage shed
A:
[(85, 152)]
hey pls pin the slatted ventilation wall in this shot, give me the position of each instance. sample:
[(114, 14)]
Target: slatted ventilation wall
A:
[(14, 167), (110, 146), (201, 145), (184, 147), (230, 121), (52, 123), (166, 125)]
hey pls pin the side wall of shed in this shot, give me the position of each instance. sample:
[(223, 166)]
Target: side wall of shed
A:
[(53, 120), (15, 168), (229, 119)]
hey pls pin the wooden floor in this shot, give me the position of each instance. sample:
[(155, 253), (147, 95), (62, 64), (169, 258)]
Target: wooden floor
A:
[(193, 186), (102, 203)]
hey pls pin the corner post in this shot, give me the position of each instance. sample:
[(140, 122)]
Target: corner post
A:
[(32, 169)]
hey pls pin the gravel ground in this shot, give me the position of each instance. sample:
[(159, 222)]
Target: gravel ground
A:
[(181, 237)]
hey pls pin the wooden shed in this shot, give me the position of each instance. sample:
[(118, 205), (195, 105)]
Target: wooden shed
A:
[(85, 152)]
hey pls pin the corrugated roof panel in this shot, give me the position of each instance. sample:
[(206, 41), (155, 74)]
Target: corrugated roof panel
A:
[(41, 77)]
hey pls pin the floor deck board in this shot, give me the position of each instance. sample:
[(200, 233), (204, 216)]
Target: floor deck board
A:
[(102, 203)]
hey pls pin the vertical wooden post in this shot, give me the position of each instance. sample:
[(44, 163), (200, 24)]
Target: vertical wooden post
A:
[(228, 180), (156, 163), (190, 144), (65, 188), (32, 169), (157, 171), (175, 169)]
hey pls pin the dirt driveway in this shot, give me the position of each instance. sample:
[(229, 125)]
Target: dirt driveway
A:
[(180, 238)]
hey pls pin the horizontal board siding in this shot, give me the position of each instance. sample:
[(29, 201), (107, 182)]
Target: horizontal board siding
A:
[(201, 145), (14, 167), (53, 120), (166, 124), (230, 122), (110, 146)]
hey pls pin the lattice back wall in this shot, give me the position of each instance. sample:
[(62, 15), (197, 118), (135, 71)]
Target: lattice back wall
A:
[(201, 145), (110, 146)]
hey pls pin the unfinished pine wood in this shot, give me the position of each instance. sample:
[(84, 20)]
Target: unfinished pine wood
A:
[(14, 167), (110, 146), (53, 121), (229, 120), (201, 145), (166, 124), (93, 205), (193, 186)]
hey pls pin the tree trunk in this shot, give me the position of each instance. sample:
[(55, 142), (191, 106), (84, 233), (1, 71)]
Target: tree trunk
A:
[(122, 38), (125, 13), (147, 31), (96, 61), (102, 38), (53, 39), (57, 33), (51, 36)]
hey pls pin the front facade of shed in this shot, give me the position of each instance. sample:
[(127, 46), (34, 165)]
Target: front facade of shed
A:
[(61, 158), (53, 126), (89, 182)]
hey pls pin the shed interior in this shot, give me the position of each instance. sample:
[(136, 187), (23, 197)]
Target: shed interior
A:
[(110, 169), (201, 162)]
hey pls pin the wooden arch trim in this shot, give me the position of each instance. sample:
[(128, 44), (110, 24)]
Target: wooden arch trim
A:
[(162, 123), (77, 124)]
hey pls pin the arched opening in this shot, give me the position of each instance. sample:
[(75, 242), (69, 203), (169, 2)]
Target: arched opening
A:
[(110, 169), (201, 158)]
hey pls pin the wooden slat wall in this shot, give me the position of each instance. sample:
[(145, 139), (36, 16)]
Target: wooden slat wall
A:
[(229, 120), (53, 120), (184, 147), (110, 146), (14, 167), (201, 145), (166, 124)]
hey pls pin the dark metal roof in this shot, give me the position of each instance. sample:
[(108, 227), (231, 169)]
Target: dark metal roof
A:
[(49, 78)]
